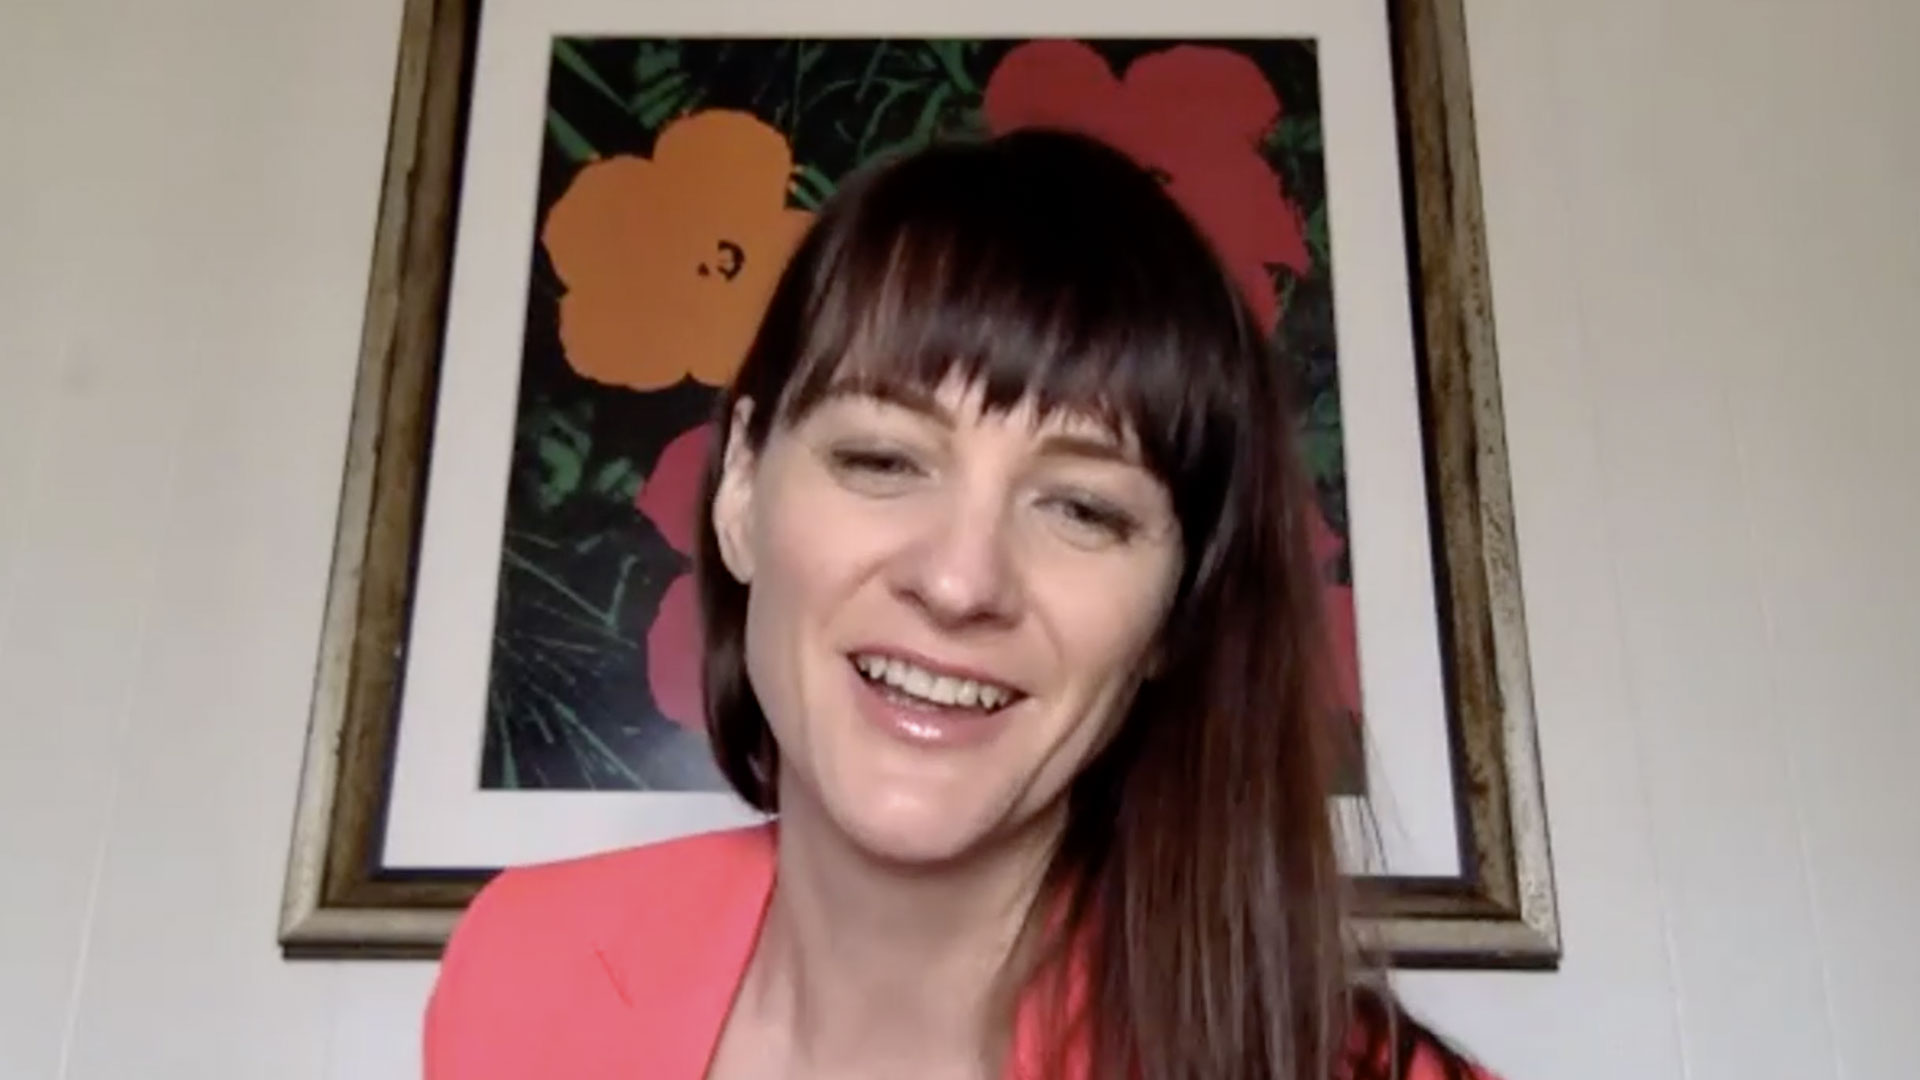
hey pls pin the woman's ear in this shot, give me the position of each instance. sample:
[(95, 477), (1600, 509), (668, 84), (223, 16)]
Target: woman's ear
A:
[(733, 500)]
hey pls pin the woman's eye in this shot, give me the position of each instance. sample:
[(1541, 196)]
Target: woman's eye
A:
[(882, 462), (1095, 518), (874, 470)]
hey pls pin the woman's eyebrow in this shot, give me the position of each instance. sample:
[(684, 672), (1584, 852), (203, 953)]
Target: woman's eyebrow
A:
[(905, 396), (1094, 443), (1093, 447)]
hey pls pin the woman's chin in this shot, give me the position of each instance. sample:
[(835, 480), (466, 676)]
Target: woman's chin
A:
[(916, 834), (911, 842), (923, 835)]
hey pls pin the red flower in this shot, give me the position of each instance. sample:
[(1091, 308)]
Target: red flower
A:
[(670, 498), (1194, 115)]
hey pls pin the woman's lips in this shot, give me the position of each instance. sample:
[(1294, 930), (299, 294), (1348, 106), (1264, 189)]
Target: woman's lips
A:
[(925, 723), (866, 657)]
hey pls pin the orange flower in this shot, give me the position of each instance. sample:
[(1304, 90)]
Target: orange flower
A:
[(669, 262)]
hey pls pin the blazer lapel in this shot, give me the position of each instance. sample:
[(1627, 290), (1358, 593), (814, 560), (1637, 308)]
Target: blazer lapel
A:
[(673, 966)]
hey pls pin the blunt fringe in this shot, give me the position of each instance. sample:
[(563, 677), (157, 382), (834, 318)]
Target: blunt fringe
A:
[(1197, 870)]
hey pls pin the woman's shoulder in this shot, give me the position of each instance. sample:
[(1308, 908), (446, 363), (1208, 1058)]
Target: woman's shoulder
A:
[(539, 939), (1416, 1055), (1435, 1061), (576, 897), (592, 897), (1388, 1043)]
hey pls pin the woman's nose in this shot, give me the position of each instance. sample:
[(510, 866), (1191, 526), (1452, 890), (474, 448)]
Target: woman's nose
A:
[(960, 571)]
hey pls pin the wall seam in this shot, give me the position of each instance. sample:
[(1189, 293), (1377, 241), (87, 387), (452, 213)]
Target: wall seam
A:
[(48, 405), (103, 850), (1796, 788)]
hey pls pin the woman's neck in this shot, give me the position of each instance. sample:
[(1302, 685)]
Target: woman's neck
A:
[(865, 968)]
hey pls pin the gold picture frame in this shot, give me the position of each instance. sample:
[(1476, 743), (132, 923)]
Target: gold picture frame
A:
[(1500, 912)]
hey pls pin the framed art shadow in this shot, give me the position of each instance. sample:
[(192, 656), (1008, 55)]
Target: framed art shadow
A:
[(586, 203)]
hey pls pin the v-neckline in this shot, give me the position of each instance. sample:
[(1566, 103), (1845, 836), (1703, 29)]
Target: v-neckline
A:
[(680, 962)]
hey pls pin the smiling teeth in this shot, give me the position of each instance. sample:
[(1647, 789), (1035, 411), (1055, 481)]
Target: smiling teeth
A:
[(938, 689)]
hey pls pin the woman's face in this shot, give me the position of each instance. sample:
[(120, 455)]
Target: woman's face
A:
[(948, 610)]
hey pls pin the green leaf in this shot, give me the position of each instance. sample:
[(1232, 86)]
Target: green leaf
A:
[(661, 101), (1319, 244), (570, 141), (873, 65), (1321, 449), (497, 716), (948, 53), (604, 622), (577, 432), (655, 59), (562, 446), (1293, 135), (825, 89), (564, 465), (964, 123), (809, 187), (663, 91), (569, 57), (1325, 412), (617, 479), (809, 55), (688, 103), (925, 126), (895, 90), (621, 580), (589, 736), (521, 536)]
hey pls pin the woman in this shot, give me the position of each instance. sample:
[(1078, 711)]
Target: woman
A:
[(1010, 617)]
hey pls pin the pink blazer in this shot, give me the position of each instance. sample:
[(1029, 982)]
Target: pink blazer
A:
[(621, 965)]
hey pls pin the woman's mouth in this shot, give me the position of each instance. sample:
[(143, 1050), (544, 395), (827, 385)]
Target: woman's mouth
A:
[(925, 687)]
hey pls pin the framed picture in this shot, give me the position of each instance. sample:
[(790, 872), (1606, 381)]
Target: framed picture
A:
[(585, 205)]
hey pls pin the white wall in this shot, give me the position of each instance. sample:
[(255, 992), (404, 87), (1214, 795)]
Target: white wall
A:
[(1706, 250)]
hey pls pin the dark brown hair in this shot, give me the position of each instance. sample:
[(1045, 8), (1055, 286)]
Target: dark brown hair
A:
[(1197, 871)]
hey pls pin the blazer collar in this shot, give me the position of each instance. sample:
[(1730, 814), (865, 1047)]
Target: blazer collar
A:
[(678, 959)]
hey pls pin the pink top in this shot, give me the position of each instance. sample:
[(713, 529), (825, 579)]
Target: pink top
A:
[(621, 965)]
